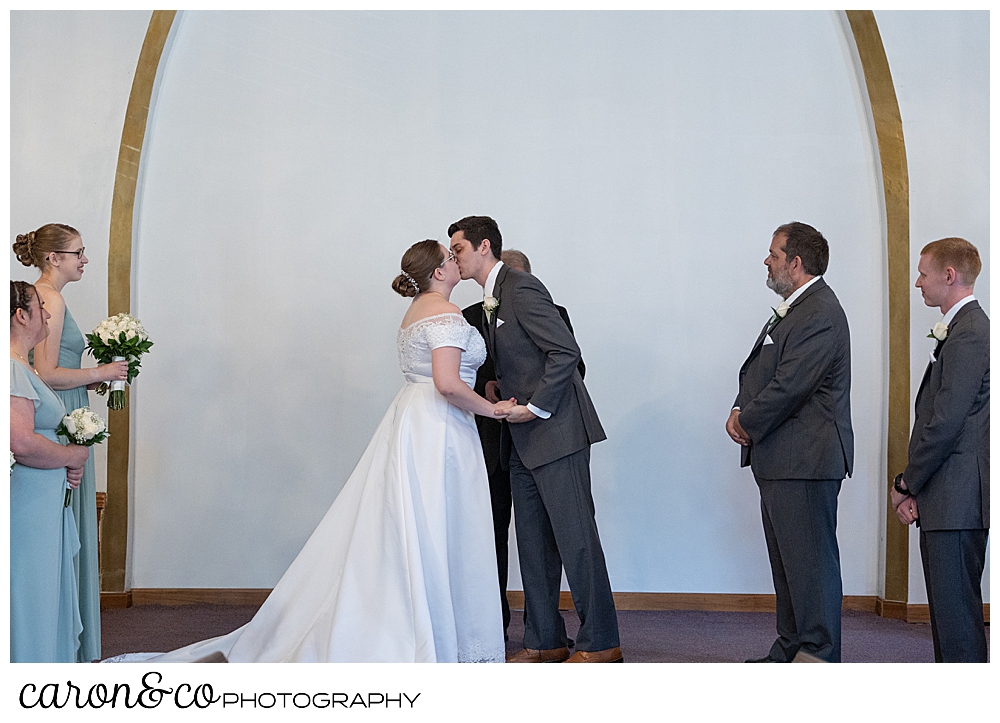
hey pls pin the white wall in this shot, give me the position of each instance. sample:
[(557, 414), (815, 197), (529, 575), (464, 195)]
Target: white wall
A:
[(641, 160), (940, 68), (70, 76)]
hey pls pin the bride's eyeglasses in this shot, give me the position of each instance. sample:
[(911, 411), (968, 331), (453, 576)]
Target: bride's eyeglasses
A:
[(451, 257), (78, 253)]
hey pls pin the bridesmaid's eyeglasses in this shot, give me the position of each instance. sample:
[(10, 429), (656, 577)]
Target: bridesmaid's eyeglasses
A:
[(451, 257), (78, 253)]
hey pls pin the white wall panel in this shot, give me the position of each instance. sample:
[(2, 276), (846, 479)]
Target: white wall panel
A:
[(641, 160)]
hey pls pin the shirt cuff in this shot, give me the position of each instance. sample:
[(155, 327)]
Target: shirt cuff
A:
[(736, 409), (540, 413)]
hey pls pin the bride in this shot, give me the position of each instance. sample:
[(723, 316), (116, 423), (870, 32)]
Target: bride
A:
[(402, 568)]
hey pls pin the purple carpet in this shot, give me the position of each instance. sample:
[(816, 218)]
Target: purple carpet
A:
[(647, 636)]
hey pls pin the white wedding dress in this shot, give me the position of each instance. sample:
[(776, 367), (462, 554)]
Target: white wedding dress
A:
[(402, 568)]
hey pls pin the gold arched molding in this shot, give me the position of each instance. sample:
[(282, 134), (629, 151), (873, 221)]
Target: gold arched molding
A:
[(114, 523), (896, 194), (895, 188)]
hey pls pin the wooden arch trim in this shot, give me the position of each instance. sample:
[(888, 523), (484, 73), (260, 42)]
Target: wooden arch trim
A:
[(114, 523), (896, 192), (895, 188)]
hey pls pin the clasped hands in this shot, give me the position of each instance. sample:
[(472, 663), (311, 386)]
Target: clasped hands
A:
[(510, 410), (735, 431), (905, 505)]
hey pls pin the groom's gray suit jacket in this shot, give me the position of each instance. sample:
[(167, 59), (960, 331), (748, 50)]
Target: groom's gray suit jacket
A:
[(948, 467), (535, 358), (795, 393)]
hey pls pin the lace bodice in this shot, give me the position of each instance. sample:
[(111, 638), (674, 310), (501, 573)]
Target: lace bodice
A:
[(416, 342)]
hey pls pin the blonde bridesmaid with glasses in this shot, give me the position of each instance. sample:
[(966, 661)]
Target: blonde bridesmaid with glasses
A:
[(57, 251)]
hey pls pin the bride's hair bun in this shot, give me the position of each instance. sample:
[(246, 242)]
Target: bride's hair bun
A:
[(31, 248), (404, 287), (418, 264)]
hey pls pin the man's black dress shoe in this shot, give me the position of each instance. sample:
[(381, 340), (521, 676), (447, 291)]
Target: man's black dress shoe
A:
[(765, 659)]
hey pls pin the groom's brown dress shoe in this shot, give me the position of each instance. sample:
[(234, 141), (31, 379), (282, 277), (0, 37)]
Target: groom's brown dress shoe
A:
[(611, 655), (528, 655)]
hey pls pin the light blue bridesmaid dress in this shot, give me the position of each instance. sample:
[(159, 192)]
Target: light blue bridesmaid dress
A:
[(83, 504), (44, 602)]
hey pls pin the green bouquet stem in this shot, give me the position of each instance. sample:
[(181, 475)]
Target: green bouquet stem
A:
[(69, 496)]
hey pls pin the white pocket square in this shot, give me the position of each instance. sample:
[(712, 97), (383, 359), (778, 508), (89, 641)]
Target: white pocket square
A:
[(499, 322), (767, 340)]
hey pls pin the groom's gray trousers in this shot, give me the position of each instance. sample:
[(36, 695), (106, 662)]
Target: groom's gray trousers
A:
[(555, 528)]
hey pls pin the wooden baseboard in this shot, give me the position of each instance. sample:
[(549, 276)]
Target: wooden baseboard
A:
[(709, 602), (913, 612), (918, 613), (890, 609), (189, 596), (922, 613), (113, 600), (862, 603)]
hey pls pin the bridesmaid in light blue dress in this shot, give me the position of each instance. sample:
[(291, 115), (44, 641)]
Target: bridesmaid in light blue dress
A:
[(45, 621), (58, 251)]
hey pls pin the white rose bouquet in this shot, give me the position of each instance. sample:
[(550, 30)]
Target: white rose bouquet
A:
[(119, 338), (83, 427)]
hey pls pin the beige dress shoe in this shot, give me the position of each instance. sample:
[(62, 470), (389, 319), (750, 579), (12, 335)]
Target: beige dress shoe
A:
[(804, 657), (611, 655), (528, 655)]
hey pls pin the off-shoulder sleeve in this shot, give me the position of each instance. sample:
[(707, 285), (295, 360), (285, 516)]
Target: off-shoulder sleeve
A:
[(449, 330), (20, 383)]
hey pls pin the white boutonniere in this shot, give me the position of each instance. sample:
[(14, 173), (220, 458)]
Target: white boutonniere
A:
[(780, 312), (490, 305), (939, 332)]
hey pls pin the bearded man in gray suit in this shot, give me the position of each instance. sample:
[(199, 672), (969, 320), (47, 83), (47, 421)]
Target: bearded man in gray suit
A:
[(551, 425), (945, 487), (792, 417)]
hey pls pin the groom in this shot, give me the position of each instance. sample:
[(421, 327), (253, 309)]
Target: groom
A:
[(552, 424)]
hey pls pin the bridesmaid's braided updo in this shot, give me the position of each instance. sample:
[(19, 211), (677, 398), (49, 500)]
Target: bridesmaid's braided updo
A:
[(31, 248), (21, 294)]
